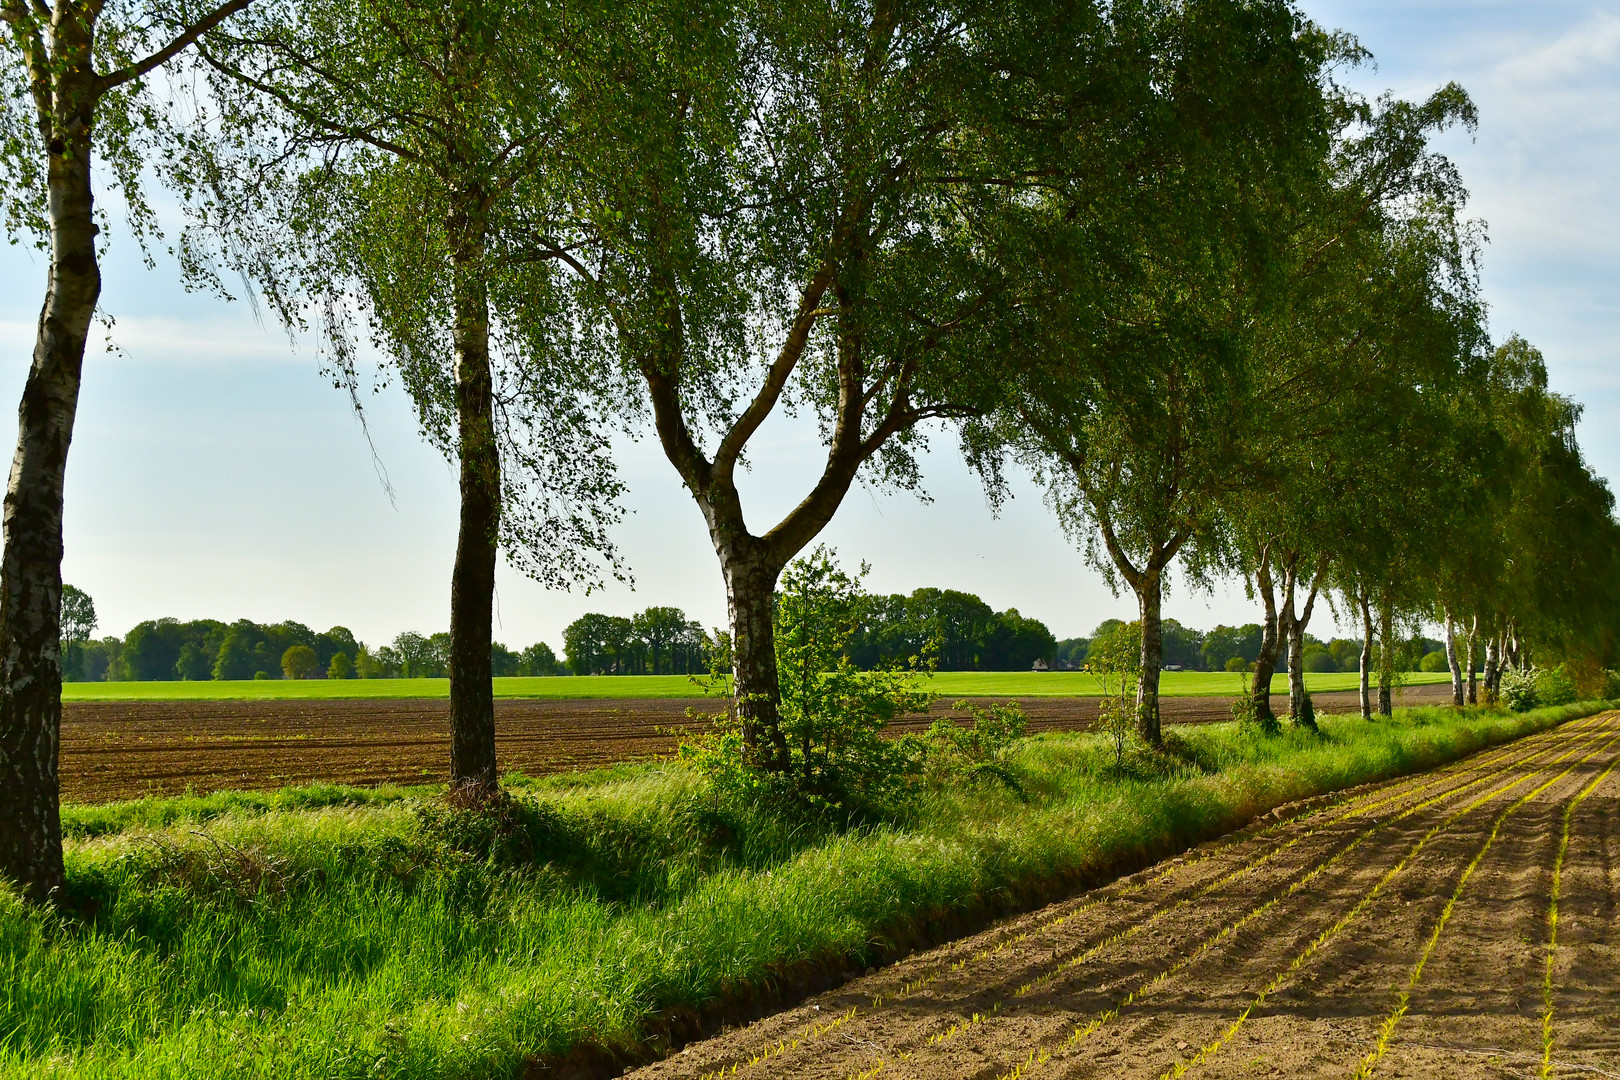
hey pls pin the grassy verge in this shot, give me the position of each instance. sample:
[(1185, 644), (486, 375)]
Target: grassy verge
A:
[(330, 932), (588, 687)]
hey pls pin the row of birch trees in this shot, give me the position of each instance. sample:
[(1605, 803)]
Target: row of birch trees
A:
[(1151, 250)]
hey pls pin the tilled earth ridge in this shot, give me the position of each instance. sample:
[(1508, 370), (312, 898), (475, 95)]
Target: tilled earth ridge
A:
[(1403, 931), (118, 750)]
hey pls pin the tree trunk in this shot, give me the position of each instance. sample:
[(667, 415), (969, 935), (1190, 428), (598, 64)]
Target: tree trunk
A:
[(1457, 697), (1285, 621), (1493, 668), (751, 602), (1386, 658), (472, 582), (1473, 678), (1298, 708), (1366, 657), (1265, 665), (1149, 598), (31, 566)]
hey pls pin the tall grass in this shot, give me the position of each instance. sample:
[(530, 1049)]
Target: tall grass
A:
[(329, 932)]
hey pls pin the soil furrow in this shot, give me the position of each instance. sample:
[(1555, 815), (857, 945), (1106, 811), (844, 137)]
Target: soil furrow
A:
[(1122, 918), (1298, 929), (1230, 858)]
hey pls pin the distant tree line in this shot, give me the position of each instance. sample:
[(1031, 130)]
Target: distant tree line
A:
[(956, 630), (162, 650), (658, 641), (1237, 648), (949, 629)]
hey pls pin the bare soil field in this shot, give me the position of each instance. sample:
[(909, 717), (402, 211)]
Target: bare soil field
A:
[(1458, 923), (120, 750)]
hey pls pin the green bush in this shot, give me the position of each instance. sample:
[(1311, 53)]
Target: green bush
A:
[(841, 768), (1435, 661), (1520, 689), (951, 753), (1529, 688)]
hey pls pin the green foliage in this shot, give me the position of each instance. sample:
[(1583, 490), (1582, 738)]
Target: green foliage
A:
[(658, 641), (1435, 661), (539, 660), (1318, 659), (952, 753), (832, 713), (1520, 690), (1225, 644), (299, 662), (1115, 658), (339, 667), (385, 161), (955, 630), (1554, 686), (1529, 688), (78, 622)]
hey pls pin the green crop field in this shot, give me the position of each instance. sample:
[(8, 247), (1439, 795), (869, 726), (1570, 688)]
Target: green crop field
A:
[(586, 687)]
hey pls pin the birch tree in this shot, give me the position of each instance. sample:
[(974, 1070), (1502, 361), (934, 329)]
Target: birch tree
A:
[(1137, 375), (75, 97), (811, 218), (379, 156)]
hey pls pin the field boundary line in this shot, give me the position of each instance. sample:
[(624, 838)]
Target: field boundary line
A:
[(1210, 1049), (1039, 1057)]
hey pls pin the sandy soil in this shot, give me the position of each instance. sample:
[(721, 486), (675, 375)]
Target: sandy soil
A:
[(117, 750), (1402, 931)]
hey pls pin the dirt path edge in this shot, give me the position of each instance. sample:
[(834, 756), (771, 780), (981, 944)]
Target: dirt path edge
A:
[(783, 986)]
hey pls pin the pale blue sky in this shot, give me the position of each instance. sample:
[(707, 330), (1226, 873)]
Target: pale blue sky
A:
[(214, 473)]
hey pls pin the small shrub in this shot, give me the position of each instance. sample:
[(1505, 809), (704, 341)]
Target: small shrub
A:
[(1520, 691), (951, 753), (832, 713), (1237, 663), (1246, 713), (1435, 661), (1116, 659)]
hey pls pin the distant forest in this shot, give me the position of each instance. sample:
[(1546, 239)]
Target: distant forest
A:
[(955, 631), (169, 649)]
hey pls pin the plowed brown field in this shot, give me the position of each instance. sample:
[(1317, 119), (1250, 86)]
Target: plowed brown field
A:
[(116, 750), (1457, 924)]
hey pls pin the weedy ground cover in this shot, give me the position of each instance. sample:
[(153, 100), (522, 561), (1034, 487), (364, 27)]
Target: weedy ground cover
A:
[(593, 687), (332, 932)]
